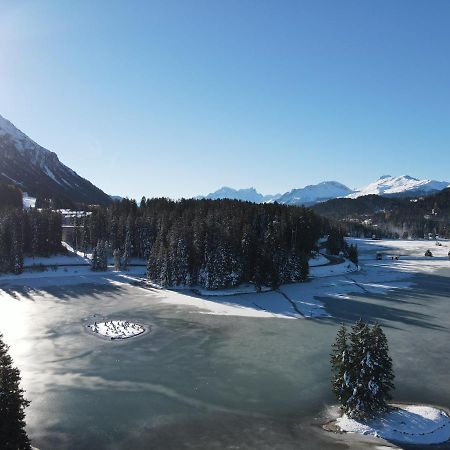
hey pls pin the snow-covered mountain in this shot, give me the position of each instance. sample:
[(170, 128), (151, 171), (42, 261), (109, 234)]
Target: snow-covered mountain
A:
[(304, 196), (315, 193), (401, 186), (247, 195), (39, 172)]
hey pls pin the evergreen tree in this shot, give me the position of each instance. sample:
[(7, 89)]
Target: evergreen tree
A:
[(12, 405), (116, 256), (127, 250), (353, 253), (381, 383), (94, 260), (362, 370), (360, 404), (340, 363)]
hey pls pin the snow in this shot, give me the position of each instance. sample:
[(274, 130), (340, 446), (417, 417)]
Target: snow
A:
[(409, 424), (290, 301), (247, 195), (50, 174), (28, 202), (318, 260), (21, 141), (245, 288), (315, 193), (387, 184), (117, 329)]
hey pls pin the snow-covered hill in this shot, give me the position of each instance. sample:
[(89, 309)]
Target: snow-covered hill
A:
[(39, 172), (247, 195), (315, 193), (404, 185)]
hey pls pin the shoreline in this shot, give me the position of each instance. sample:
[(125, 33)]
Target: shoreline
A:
[(331, 426)]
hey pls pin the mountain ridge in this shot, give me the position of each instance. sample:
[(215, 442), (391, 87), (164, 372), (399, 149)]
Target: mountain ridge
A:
[(39, 172), (385, 186)]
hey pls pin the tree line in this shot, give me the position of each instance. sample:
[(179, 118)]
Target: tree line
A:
[(209, 243), (32, 232), (391, 217)]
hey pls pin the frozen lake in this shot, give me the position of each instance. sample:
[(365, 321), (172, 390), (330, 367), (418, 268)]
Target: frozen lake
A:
[(207, 381)]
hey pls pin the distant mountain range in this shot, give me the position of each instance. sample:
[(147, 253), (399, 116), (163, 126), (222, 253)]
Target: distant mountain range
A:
[(389, 186), (39, 172), (246, 195), (385, 186)]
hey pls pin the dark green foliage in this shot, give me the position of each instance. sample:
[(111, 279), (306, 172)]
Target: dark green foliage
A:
[(352, 253), (340, 358), (32, 232), (335, 242), (362, 370), (99, 261), (391, 217), (211, 243), (12, 405), (10, 196)]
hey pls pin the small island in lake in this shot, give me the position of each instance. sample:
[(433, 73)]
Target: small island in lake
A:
[(117, 329)]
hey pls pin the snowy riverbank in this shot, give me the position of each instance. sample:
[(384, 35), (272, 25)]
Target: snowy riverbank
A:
[(291, 301), (407, 424)]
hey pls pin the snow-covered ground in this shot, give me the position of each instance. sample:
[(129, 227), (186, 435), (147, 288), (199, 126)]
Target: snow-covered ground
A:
[(409, 424), (117, 329), (246, 288), (318, 260), (291, 301), (28, 202)]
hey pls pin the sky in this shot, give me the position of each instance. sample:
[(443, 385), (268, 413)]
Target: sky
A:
[(178, 98)]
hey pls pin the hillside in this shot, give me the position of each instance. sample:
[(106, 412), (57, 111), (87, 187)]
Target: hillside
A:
[(39, 172), (403, 217)]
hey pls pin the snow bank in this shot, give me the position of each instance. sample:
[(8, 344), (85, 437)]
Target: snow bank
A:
[(117, 329), (410, 424), (245, 288), (318, 260)]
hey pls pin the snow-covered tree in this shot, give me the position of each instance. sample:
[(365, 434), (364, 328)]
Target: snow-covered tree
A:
[(116, 255), (12, 405), (340, 363), (128, 248), (362, 370), (382, 375)]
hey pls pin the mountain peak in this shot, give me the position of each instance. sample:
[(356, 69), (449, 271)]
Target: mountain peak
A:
[(39, 172), (402, 185)]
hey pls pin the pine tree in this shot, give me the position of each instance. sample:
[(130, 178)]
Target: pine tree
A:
[(353, 254), (362, 370), (127, 250), (94, 260), (381, 383), (116, 256), (360, 404), (304, 267), (341, 380), (12, 405)]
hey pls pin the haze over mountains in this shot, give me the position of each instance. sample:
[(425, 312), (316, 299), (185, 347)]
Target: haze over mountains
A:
[(39, 172), (385, 186)]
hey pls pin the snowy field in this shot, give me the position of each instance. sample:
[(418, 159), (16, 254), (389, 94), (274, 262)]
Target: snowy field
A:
[(291, 301), (117, 329), (407, 424)]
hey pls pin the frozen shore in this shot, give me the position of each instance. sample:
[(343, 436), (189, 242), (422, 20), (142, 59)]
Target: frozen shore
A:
[(406, 424)]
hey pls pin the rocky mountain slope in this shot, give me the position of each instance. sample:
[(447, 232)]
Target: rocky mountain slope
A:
[(39, 172)]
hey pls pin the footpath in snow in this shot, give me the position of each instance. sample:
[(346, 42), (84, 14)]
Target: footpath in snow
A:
[(407, 424)]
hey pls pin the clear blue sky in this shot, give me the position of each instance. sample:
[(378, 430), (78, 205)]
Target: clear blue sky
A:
[(178, 98)]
